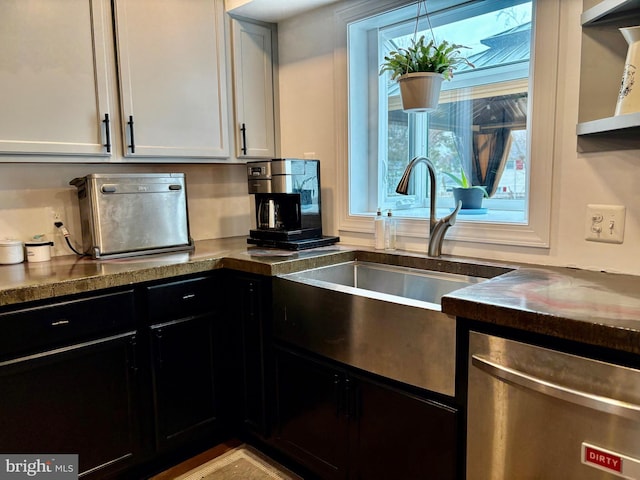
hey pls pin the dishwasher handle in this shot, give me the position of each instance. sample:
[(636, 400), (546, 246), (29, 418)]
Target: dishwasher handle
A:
[(578, 397)]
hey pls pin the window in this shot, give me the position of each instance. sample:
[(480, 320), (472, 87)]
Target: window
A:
[(484, 122)]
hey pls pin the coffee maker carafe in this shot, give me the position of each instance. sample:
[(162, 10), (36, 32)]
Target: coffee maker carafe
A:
[(287, 203)]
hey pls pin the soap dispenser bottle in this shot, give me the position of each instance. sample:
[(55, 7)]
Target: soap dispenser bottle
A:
[(390, 232), (379, 230)]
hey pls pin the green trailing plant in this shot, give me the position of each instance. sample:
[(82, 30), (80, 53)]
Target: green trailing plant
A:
[(442, 58), (463, 181)]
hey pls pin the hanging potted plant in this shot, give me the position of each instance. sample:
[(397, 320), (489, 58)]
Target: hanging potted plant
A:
[(470, 195), (420, 70)]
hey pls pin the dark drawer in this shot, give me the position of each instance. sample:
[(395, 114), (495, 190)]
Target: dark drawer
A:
[(181, 299), (45, 327)]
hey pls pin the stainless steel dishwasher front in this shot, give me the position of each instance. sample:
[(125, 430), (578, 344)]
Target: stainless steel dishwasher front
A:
[(536, 413)]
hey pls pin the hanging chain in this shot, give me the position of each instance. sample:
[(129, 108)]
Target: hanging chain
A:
[(415, 30)]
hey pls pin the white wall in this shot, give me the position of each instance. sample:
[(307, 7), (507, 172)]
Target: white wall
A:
[(313, 118)]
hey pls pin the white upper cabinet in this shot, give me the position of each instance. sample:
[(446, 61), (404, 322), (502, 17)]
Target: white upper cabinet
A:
[(54, 78), (171, 60), (253, 90)]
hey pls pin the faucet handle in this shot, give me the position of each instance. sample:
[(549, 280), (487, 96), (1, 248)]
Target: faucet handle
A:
[(451, 218)]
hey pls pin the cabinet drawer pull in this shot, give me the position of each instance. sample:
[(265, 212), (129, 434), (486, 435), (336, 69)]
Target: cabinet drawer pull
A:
[(188, 296), (58, 323)]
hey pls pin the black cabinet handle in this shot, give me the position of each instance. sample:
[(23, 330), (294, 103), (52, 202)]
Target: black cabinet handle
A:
[(252, 308), (107, 132), (243, 130), (159, 347), (133, 365), (348, 400), (132, 146), (338, 393)]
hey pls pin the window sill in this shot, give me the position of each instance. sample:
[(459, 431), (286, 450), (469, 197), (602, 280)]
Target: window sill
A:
[(487, 215)]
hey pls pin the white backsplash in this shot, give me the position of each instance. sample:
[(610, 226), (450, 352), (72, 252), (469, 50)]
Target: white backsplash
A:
[(25, 223)]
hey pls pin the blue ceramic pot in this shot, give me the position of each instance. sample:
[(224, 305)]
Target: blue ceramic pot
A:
[(471, 198)]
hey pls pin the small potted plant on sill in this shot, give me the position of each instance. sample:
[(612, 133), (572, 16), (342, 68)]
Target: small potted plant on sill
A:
[(420, 70), (470, 195)]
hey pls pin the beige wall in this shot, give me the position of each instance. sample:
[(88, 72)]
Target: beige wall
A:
[(313, 114), (29, 194)]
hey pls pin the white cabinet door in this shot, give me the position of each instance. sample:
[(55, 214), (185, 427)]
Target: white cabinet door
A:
[(253, 82), (54, 87), (171, 60)]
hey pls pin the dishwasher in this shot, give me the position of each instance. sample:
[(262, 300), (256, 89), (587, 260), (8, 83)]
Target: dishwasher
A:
[(536, 413)]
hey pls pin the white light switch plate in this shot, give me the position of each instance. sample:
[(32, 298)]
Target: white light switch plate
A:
[(605, 223)]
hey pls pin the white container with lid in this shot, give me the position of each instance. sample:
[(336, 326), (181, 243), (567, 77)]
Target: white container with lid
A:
[(38, 251), (11, 251)]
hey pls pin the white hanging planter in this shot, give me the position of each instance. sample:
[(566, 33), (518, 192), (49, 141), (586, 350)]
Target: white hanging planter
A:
[(420, 91)]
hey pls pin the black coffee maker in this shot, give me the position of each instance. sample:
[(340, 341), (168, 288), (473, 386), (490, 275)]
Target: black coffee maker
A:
[(287, 195)]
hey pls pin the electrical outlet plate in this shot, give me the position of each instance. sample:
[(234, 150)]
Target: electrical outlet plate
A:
[(605, 223)]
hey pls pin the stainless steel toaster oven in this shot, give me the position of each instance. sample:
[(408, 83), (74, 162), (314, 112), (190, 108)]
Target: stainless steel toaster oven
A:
[(133, 214)]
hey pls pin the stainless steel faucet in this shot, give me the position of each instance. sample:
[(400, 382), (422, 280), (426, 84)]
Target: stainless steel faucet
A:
[(437, 228)]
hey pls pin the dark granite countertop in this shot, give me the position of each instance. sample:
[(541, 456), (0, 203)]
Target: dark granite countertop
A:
[(591, 307), (595, 308), (69, 274)]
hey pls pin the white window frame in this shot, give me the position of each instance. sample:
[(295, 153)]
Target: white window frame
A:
[(542, 112)]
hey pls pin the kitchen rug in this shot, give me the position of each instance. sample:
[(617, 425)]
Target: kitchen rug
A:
[(241, 463)]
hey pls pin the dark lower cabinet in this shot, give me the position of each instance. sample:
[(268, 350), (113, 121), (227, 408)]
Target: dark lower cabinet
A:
[(77, 401), (344, 425), (79, 397), (312, 413), (183, 380), (400, 435), (249, 315), (123, 379), (185, 339)]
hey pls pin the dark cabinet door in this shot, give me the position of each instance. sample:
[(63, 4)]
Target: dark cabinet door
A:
[(252, 311), (398, 435), (312, 413), (342, 424), (78, 399), (183, 380)]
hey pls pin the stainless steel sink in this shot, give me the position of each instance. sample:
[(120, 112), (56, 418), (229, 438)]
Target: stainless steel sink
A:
[(379, 318), (403, 282)]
